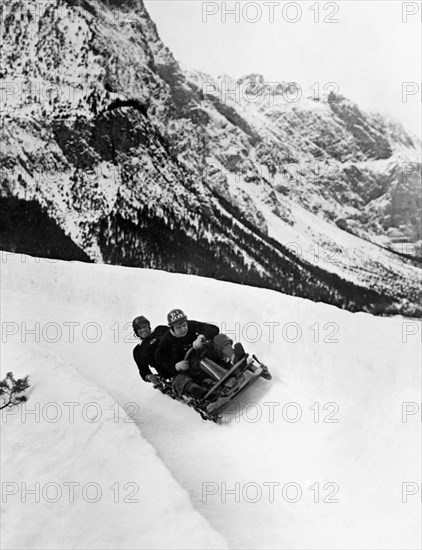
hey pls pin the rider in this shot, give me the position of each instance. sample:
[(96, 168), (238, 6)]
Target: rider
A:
[(144, 351), (170, 356)]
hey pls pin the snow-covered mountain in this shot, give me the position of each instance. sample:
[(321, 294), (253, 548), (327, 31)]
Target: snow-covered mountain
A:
[(113, 152), (328, 457)]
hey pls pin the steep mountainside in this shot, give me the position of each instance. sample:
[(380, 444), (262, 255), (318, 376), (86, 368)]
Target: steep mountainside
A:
[(357, 169), (144, 164)]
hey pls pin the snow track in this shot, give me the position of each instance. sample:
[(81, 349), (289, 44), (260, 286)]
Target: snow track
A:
[(97, 479), (331, 419)]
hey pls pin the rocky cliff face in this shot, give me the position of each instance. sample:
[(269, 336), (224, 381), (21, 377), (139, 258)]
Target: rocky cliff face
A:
[(326, 154), (145, 164)]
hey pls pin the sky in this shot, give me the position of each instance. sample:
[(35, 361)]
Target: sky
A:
[(369, 49)]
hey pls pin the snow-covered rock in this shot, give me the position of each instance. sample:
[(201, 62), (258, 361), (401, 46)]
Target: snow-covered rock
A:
[(134, 159)]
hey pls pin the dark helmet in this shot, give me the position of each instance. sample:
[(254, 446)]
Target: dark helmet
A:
[(175, 317), (138, 321)]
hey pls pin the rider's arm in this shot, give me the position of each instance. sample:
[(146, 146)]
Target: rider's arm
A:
[(208, 330), (164, 360), (142, 362)]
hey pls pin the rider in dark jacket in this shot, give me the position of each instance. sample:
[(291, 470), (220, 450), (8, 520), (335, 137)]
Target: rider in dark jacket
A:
[(144, 352), (171, 351)]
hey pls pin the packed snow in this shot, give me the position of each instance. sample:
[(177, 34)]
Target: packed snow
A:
[(326, 455)]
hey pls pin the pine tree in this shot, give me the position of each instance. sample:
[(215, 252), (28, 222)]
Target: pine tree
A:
[(10, 388)]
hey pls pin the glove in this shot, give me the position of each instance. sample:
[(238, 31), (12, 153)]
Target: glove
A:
[(199, 342), (182, 365), (153, 378)]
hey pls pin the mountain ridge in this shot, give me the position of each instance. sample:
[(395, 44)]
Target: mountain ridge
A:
[(125, 141)]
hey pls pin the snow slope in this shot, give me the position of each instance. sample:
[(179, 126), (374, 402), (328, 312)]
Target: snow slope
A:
[(94, 476), (324, 244), (354, 370)]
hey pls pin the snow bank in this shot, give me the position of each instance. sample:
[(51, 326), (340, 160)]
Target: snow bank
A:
[(318, 461), (76, 472)]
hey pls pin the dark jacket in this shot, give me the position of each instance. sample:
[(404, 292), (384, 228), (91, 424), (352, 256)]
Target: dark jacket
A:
[(144, 352), (171, 349)]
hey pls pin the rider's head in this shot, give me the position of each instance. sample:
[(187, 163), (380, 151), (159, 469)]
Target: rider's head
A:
[(141, 327), (177, 321)]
